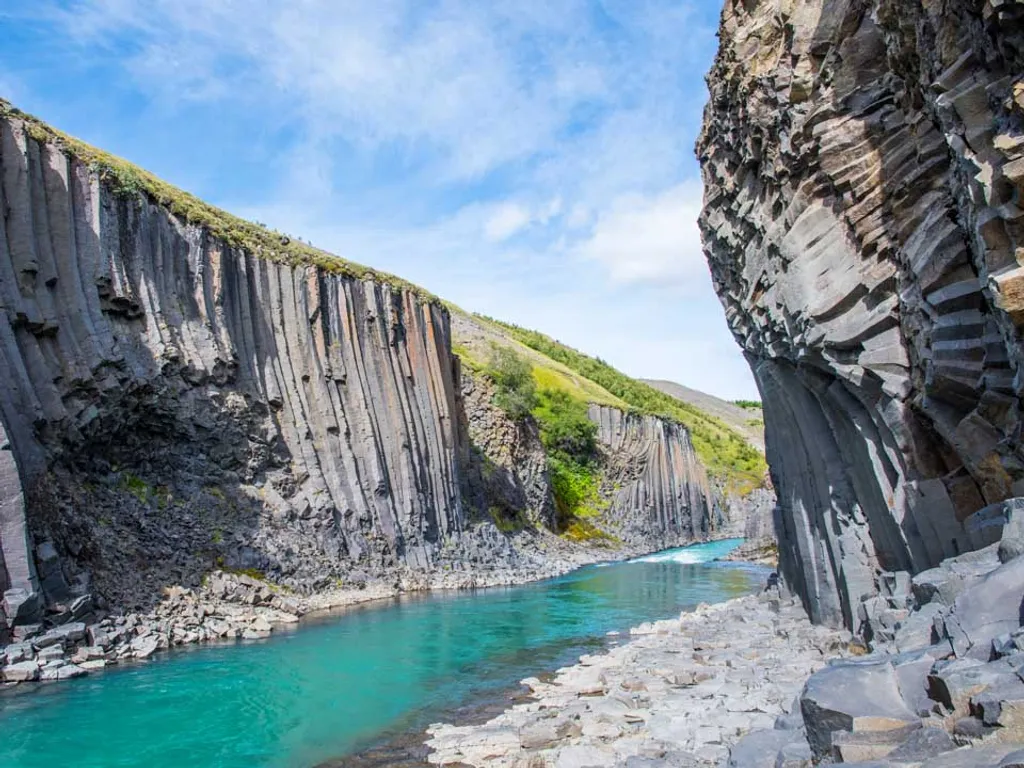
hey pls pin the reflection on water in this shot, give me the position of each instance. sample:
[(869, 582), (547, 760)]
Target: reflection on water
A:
[(336, 685)]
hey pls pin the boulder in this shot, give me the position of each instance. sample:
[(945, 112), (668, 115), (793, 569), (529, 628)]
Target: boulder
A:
[(988, 756), (954, 683), (795, 754), (144, 647), (992, 606), (862, 746), (759, 749), (22, 672), (922, 744), (22, 606), (1003, 706), (853, 697)]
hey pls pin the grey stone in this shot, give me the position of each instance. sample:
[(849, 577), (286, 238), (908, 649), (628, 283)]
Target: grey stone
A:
[(795, 754), (880, 318), (954, 683), (988, 756), (22, 672), (852, 697), (866, 745), (22, 606), (922, 744), (992, 606), (1000, 705), (759, 749), (144, 647)]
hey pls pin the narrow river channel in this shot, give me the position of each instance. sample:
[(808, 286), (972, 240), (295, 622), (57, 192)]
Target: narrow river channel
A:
[(340, 684)]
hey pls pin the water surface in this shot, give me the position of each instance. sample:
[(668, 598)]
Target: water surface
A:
[(340, 684)]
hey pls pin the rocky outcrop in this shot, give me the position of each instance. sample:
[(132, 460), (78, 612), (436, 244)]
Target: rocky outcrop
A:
[(752, 518), (507, 467), (863, 164), (657, 488), (170, 401)]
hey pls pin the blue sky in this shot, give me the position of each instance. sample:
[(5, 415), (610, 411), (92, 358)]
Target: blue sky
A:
[(528, 159)]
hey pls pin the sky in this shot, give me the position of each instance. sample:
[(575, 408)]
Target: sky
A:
[(531, 160)]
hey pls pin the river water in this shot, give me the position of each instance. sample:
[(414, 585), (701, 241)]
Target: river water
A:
[(345, 682)]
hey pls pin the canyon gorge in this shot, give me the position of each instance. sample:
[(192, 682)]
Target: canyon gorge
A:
[(187, 394)]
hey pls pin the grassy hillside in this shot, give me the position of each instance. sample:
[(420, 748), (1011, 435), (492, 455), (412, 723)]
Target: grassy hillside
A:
[(726, 454), (744, 417)]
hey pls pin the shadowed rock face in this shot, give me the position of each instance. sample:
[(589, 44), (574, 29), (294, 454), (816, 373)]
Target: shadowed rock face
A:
[(141, 358), (660, 496), (863, 163)]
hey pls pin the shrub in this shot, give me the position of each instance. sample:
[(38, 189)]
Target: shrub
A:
[(574, 487), (749, 405), (513, 377), (565, 427)]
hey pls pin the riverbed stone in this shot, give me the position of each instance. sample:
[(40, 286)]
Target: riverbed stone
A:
[(23, 671), (852, 697)]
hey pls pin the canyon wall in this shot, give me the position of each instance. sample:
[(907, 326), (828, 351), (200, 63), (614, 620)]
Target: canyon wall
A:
[(175, 401), (170, 402), (863, 164), (657, 489)]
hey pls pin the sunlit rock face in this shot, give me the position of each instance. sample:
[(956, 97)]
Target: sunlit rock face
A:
[(863, 164)]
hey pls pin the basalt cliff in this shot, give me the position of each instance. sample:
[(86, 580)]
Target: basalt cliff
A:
[(863, 164), (196, 412)]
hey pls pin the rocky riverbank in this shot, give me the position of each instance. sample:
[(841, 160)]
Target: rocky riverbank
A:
[(679, 693), (936, 679), (239, 606)]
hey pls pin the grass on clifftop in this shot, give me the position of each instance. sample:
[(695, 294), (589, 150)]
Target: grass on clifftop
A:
[(724, 452), (127, 180)]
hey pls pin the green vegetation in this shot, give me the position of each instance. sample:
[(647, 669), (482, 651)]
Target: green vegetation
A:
[(513, 378), (565, 428), (584, 531), (570, 439), (129, 181), (507, 522), (750, 405), (136, 486), (724, 452)]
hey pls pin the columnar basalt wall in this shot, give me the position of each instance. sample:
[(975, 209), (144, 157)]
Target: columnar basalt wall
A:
[(863, 164), (173, 401), (658, 490)]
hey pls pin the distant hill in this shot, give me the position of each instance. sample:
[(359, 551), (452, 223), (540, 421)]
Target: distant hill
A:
[(749, 422)]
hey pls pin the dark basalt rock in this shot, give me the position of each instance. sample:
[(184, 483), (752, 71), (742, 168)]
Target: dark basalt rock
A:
[(863, 166)]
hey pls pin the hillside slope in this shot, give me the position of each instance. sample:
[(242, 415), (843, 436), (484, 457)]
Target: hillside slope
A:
[(746, 421), (727, 455)]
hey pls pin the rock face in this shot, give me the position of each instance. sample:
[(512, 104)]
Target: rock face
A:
[(147, 367), (659, 493), (863, 164)]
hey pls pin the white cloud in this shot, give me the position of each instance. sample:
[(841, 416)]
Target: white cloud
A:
[(506, 220), (403, 119), (650, 239)]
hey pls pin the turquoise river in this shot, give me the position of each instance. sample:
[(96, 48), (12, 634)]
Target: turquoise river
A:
[(343, 683)]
